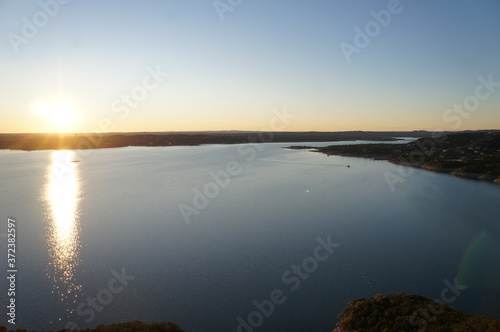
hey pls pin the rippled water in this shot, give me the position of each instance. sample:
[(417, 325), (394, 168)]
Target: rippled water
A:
[(104, 240)]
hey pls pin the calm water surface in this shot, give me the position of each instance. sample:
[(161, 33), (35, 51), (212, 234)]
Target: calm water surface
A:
[(109, 227)]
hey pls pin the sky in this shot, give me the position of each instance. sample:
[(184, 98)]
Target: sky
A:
[(187, 65)]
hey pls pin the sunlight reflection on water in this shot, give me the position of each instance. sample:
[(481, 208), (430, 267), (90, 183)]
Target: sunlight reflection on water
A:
[(62, 194)]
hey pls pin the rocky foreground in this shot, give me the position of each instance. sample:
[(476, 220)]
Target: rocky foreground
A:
[(401, 312), (392, 313), (135, 326)]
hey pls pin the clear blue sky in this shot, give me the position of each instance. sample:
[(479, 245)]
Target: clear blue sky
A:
[(230, 74)]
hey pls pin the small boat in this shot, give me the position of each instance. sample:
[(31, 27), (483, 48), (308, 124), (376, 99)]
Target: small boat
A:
[(348, 166)]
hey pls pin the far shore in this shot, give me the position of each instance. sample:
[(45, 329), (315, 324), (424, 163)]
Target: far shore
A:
[(473, 155), (81, 141)]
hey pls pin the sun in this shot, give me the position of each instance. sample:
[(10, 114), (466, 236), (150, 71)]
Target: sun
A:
[(61, 116)]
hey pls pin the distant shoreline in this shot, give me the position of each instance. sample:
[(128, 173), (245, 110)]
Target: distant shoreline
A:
[(468, 155), (31, 142), (474, 155)]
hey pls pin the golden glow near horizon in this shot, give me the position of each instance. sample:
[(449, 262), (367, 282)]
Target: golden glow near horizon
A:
[(61, 116), (190, 71), (62, 193)]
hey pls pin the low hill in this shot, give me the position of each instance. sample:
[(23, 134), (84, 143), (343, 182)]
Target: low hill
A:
[(401, 312), (135, 326)]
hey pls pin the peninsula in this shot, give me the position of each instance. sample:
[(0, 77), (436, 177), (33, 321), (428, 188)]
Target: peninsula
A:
[(468, 154)]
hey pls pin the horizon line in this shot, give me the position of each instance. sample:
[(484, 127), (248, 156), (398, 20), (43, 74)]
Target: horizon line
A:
[(246, 131)]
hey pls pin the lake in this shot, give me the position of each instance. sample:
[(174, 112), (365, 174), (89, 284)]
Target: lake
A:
[(206, 235)]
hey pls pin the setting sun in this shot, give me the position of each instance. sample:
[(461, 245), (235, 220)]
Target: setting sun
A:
[(60, 116)]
